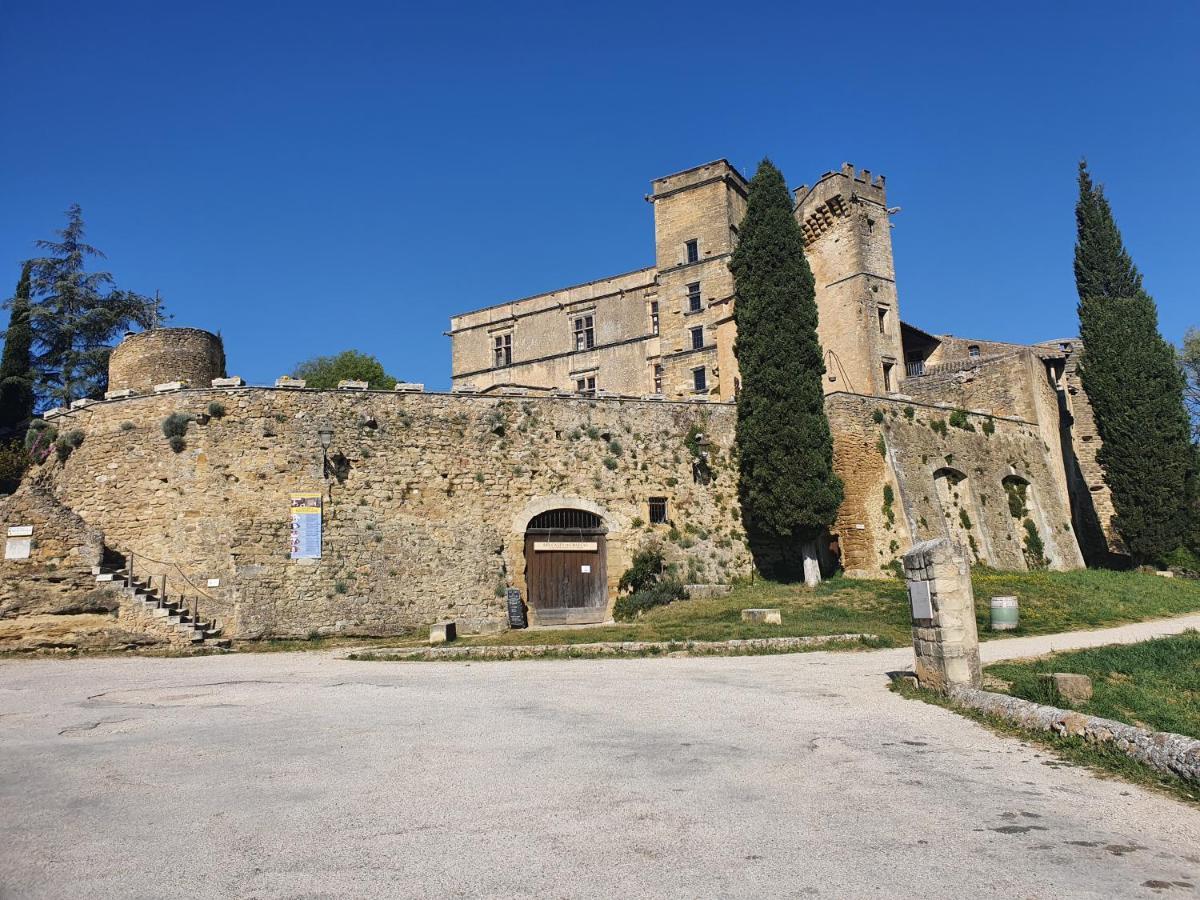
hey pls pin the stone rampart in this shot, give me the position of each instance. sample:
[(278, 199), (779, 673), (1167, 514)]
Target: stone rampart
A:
[(165, 355)]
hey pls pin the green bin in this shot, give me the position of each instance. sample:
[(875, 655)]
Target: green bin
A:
[(1005, 613)]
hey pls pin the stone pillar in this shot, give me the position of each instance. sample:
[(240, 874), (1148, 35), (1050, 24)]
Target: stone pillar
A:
[(945, 638)]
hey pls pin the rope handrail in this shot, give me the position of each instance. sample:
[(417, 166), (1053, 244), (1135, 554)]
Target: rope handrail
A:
[(175, 566)]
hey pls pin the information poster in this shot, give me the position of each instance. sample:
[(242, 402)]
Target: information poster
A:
[(306, 525)]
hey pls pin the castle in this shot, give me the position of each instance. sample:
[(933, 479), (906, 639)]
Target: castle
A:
[(582, 424)]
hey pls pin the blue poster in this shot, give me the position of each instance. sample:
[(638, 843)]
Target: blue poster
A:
[(306, 525)]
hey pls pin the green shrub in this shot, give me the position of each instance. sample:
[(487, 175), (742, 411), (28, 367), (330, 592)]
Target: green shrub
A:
[(176, 443), (610, 462), (909, 412), (74, 438), (14, 460), (877, 416), (340, 587), (959, 419), (67, 443), (645, 569), (938, 426), (989, 426), (1183, 560), (1035, 551), (660, 593), (176, 425), (881, 446), (965, 519), (39, 439), (216, 410), (615, 448), (127, 426)]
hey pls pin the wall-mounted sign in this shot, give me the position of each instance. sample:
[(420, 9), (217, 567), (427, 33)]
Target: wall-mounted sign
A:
[(575, 546), (919, 597), (19, 542), (306, 525)]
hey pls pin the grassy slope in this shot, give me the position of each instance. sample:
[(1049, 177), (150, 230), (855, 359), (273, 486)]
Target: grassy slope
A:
[(1155, 684), (1050, 602)]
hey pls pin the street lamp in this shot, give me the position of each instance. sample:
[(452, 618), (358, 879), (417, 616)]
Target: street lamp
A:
[(326, 436)]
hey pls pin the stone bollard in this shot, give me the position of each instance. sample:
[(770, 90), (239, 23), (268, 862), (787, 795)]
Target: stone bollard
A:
[(945, 639)]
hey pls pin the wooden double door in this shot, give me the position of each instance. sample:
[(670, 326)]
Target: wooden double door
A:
[(566, 573)]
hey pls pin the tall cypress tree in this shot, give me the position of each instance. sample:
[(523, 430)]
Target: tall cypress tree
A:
[(1133, 380), (788, 491), (16, 365)]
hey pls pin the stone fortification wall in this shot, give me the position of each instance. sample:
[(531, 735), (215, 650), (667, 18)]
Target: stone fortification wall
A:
[(944, 481), (427, 519), (148, 358)]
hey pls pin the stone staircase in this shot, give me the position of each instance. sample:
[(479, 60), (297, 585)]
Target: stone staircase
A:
[(174, 614)]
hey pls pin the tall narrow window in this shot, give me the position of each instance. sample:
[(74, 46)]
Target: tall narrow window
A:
[(654, 317), (586, 385), (658, 378), (692, 248), (698, 337), (887, 377), (658, 510), (502, 350), (699, 379), (585, 333), (694, 303), (882, 319)]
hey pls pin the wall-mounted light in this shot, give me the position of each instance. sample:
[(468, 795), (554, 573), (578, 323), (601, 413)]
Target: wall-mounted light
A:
[(326, 435)]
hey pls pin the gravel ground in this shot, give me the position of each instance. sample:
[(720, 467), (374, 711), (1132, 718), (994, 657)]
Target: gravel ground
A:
[(306, 775)]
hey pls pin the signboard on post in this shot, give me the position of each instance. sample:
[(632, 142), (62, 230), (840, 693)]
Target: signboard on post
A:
[(306, 525)]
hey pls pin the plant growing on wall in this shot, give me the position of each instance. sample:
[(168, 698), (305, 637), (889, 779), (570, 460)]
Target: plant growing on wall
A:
[(325, 372), (788, 491), (1133, 380), (174, 428), (958, 419)]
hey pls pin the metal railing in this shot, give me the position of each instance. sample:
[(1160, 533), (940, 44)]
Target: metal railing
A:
[(194, 606)]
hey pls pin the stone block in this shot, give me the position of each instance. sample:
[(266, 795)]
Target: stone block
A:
[(167, 386), (655, 397), (231, 381), (410, 387), (287, 381), (1165, 573), (55, 413), (119, 395), (1070, 688), (762, 616), (349, 385), (82, 402), (442, 632)]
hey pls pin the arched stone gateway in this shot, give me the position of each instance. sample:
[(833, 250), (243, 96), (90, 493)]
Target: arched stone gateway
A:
[(566, 567)]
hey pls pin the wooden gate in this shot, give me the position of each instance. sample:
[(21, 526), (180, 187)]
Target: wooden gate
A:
[(566, 575)]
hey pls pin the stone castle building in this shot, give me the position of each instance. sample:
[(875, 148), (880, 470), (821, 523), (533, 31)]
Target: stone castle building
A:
[(583, 425)]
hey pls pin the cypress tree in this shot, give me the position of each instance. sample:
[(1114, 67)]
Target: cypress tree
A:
[(16, 365), (1135, 385), (788, 491)]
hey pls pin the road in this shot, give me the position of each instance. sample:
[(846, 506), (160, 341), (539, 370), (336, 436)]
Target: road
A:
[(307, 775)]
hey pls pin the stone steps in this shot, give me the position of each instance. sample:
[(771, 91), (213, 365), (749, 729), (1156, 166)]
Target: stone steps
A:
[(175, 614)]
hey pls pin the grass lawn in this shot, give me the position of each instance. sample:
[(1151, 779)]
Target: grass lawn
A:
[(1050, 602), (1155, 684)]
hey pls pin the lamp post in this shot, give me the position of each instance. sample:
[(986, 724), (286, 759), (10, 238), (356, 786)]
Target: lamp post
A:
[(326, 435)]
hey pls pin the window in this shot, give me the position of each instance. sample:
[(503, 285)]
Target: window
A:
[(882, 310), (692, 248), (887, 377), (698, 337), (585, 333), (654, 317), (695, 304), (658, 510), (658, 378), (973, 351), (699, 379), (586, 385), (502, 350)]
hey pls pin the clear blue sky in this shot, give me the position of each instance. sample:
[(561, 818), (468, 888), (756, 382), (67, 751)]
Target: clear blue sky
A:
[(310, 177)]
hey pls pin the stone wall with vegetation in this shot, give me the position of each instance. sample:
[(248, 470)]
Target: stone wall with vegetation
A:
[(916, 472), (425, 509)]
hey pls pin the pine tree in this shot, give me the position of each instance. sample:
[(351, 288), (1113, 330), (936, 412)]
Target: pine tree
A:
[(788, 491), (16, 365), (76, 315), (1134, 383)]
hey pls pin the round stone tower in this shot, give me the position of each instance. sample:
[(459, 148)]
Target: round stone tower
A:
[(147, 358)]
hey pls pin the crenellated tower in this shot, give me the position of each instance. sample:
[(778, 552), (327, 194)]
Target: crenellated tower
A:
[(848, 241)]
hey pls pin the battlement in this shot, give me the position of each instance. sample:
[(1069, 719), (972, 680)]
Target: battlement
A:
[(848, 182)]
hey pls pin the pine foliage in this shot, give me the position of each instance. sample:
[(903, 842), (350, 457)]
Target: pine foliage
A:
[(77, 315), (788, 491), (16, 365), (1133, 380)]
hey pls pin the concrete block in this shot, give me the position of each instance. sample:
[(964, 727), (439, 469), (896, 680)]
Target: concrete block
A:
[(55, 413), (82, 402), (287, 381), (231, 381), (1070, 688), (1165, 573), (167, 386), (410, 387), (464, 389), (762, 616), (118, 395), (442, 632), (350, 385)]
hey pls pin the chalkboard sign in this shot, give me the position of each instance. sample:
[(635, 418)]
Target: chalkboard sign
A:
[(516, 609)]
